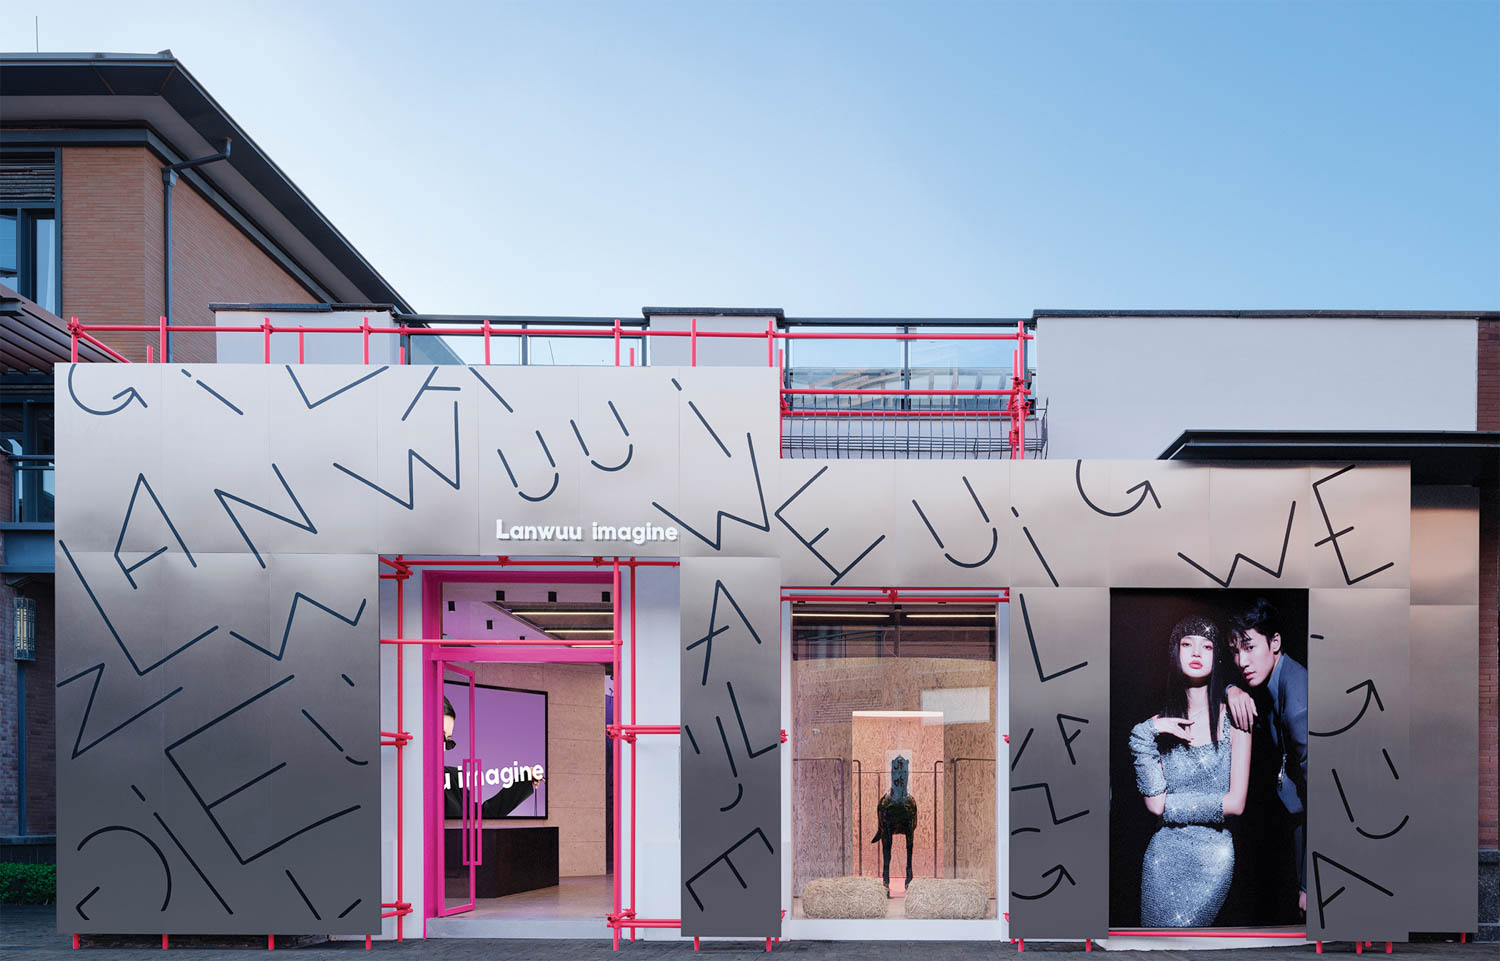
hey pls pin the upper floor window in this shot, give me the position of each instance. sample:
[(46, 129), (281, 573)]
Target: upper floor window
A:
[(30, 246), (26, 446)]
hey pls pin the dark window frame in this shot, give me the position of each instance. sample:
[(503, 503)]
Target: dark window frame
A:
[(26, 279), (30, 465)]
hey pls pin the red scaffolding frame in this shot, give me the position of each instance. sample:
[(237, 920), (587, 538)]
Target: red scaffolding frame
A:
[(1018, 397), (623, 916), (402, 570), (1018, 406)]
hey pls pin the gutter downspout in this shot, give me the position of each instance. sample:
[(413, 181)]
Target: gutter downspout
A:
[(168, 180), (21, 747)]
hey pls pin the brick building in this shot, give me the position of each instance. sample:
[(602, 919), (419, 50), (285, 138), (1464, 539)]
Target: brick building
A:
[(85, 152)]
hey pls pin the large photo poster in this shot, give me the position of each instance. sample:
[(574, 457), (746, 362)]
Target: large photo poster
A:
[(1208, 758)]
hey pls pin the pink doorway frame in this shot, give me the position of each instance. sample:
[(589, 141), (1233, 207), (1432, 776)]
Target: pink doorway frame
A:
[(435, 656)]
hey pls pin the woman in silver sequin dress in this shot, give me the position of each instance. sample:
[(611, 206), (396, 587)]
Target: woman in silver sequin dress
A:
[(1192, 768)]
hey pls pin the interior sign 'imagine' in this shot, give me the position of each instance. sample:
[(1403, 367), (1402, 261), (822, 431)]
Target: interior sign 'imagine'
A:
[(503, 776)]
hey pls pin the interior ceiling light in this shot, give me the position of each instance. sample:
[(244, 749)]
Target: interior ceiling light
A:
[(839, 616), (582, 630), (562, 613), (974, 614)]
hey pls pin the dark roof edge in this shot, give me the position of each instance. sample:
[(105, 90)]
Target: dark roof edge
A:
[(44, 138), (776, 312), (1262, 438), (303, 308), (248, 141), (1436, 456), (435, 320), (164, 56), (511, 320), (1331, 314), (243, 141), (644, 321), (911, 321)]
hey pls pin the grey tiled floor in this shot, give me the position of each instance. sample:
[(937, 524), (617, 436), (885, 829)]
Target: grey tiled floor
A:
[(27, 932)]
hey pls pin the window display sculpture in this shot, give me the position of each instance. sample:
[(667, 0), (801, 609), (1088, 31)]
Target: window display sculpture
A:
[(896, 814)]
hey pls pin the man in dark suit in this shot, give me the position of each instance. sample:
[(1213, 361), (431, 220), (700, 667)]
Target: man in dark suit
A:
[(1255, 634)]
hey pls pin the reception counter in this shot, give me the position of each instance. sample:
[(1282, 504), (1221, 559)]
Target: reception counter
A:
[(512, 860)]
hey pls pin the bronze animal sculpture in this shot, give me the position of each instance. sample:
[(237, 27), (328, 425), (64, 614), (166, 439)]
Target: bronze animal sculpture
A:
[(896, 814)]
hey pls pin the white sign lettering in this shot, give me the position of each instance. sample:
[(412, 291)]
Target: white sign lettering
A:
[(632, 533)]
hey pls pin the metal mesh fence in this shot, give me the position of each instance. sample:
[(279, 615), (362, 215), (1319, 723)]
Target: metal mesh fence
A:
[(837, 426)]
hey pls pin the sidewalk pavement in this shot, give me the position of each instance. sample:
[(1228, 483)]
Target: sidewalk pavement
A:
[(27, 933)]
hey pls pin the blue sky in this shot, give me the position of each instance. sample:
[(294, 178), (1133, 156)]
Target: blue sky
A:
[(862, 159)]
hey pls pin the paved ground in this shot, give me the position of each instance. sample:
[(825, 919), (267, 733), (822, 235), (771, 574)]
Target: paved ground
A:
[(26, 933)]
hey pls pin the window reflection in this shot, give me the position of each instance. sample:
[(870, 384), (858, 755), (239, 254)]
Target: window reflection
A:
[(464, 349), (28, 254), (26, 445), (573, 351), (837, 352), (895, 365), (9, 265), (45, 272), (962, 353), (539, 348)]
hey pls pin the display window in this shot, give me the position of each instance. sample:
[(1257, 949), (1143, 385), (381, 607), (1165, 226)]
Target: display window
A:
[(893, 770)]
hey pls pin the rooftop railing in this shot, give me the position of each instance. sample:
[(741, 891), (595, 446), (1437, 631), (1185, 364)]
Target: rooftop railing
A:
[(933, 389)]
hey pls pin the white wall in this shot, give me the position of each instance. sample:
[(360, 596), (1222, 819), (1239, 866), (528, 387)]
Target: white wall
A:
[(241, 348), (1126, 387), (712, 351)]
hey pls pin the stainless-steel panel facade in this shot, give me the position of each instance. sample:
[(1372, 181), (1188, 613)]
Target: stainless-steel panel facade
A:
[(322, 432), (1156, 516), (949, 523), (1059, 790), (220, 747), (109, 422), (1445, 701), (1361, 537), (626, 432), (1057, 538), (205, 510), (1445, 743), (824, 544), (216, 453), (423, 495), (529, 463), (1444, 545), (731, 760), (1362, 800), (729, 435), (1260, 526)]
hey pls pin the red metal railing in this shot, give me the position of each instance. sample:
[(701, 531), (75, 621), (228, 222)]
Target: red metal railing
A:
[(892, 595), (1017, 407)]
